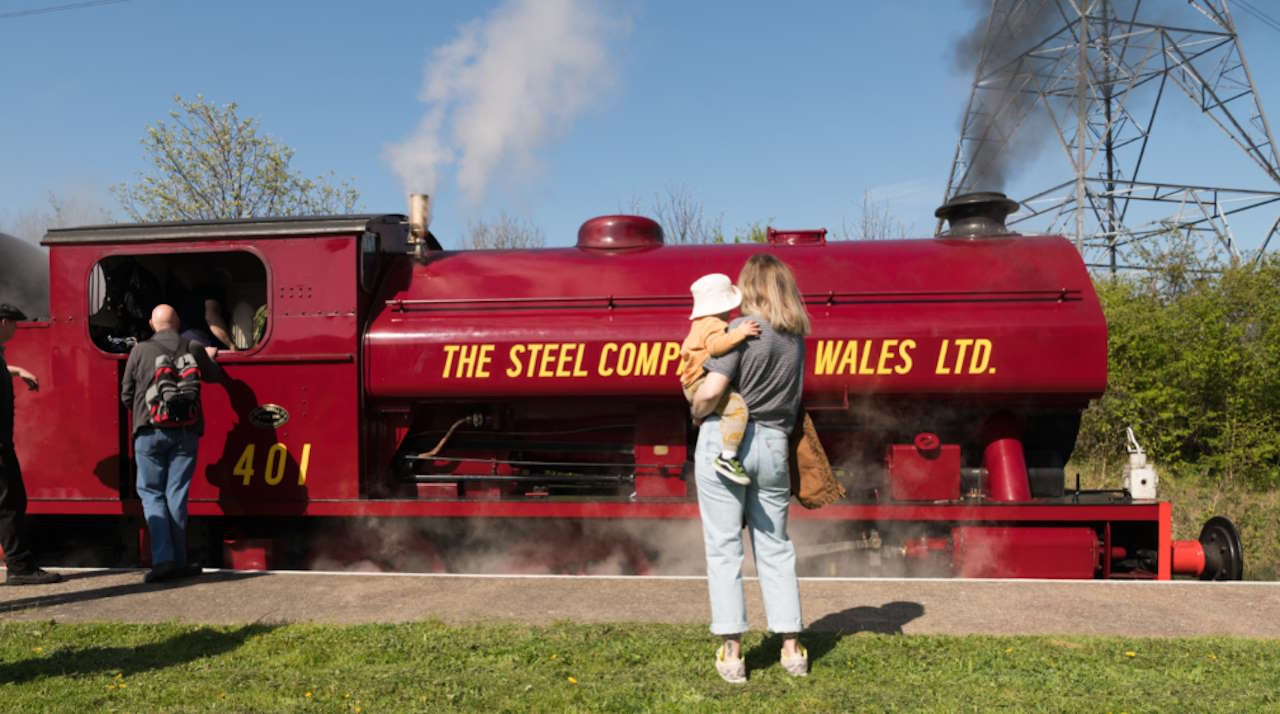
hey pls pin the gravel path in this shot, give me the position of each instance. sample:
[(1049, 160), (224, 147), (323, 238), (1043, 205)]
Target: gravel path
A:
[(910, 606)]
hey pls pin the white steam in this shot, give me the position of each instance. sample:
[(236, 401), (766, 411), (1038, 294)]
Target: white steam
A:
[(505, 86)]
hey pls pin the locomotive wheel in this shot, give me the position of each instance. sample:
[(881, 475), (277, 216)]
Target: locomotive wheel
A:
[(1223, 555)]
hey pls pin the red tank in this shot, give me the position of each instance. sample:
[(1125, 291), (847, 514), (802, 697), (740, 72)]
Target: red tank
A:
[(1000, 320)]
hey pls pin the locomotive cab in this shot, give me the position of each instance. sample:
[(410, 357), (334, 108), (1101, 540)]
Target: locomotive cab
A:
[(292, 294)]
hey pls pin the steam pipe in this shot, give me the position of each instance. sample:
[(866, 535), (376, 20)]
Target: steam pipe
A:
[(1004, 460)]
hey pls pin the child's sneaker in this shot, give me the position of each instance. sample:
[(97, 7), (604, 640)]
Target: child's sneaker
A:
[(732, 470), (733, 671)]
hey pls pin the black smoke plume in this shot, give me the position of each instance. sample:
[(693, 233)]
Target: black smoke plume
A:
[(24, 276), (1001, 135)]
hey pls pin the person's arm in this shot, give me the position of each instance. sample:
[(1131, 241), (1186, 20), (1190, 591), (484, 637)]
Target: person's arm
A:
[(720, 342), (32, 383), (709, 394), (127, 383), (218, 326), (210, 370)]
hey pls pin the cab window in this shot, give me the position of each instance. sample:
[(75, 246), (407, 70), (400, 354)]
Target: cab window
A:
[(221, 298)]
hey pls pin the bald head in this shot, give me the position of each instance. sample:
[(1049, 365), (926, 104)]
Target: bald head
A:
[(164, 317)]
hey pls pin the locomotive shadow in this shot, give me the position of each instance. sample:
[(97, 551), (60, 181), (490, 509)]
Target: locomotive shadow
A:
[(287, 498), (128, 661), (826, 632), (111, 591), (110, 473)]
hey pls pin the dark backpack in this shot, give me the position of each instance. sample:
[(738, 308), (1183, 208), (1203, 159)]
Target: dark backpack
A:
[(173, 399)]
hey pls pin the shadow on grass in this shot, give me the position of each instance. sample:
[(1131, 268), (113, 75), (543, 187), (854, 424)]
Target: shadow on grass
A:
[(77, 596), (825, 633), (176, 650)]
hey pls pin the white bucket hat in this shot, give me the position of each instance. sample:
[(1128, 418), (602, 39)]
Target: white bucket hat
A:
[(713, 294)]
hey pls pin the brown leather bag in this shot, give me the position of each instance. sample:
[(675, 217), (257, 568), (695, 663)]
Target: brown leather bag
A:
[(813, 483)]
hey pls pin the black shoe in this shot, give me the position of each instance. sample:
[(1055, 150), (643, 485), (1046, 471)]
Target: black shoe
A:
[(33, 577), (162, 572), (190, 570)]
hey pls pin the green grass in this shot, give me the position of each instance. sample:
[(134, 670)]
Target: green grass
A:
[(1196, 499), (430, 666)]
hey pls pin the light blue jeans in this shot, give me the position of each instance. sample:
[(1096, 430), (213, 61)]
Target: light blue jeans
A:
[(166, 462), (722, 504)]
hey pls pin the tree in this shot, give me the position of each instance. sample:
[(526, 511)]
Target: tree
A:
[(1194, 368), (875, 222), (209, 163), (682, 218), (506, 232), (684, 221), (753, 232)]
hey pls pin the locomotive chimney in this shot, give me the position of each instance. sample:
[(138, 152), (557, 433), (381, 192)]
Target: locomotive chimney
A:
[(419, 219), (419, 214), (977, 215)]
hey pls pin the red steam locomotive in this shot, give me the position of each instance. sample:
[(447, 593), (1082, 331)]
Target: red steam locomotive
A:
[(379, 379)]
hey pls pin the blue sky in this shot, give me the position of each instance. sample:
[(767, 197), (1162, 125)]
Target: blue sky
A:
[(764, 111)]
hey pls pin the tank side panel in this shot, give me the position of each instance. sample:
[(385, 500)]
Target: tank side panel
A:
[(998, 318)]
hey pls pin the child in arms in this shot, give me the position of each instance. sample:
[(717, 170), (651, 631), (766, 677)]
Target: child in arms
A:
[(714, 297)]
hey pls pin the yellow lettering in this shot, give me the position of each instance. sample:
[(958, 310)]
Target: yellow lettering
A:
[(534, 350), (578, 371), (514, 357), (562, 363), (604, 358), (449, 351), (671, 353), (942, 359), (486, 359), (863, 365), (886, 348), (981, 356), (647, 360), (963, 346), (302, 464), (277, 455), (244, 465), (467, 361), (849, 360), (828, 353), (549, 354), (626, 359), (904, 354)]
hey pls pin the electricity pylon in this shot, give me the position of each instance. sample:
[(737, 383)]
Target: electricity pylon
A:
[(1092, 74)]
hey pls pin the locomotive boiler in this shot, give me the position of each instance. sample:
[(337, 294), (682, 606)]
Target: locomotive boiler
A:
[(380, 378)]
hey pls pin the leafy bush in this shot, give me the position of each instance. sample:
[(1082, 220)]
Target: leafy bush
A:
[(1194, 361)]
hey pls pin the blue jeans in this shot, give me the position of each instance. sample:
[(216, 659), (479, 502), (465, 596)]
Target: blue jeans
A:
[(166, 462), (765, 501)]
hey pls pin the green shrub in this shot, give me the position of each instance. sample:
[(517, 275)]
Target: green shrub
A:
[(1194, 362)]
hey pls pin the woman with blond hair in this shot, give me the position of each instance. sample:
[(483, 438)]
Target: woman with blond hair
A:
[(768, 371)]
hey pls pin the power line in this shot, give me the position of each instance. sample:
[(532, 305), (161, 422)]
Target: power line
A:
[(57, 8), (1263, 17)]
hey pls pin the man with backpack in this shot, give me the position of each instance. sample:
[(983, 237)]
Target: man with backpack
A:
[(161, 386)]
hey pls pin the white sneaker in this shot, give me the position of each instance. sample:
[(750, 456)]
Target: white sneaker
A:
[(733, 671), (797, 666)]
